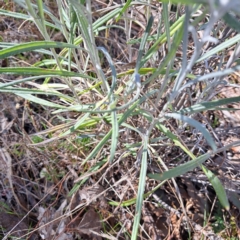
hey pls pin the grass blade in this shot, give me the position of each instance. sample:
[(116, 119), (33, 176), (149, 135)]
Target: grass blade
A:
[(124, 9), (220, 47), (218, 187), (195, 124), (174, 28), (182, 169), (208, 105), (40, 71), (232, 21), (26, 47), (39, 100), (141, 188)]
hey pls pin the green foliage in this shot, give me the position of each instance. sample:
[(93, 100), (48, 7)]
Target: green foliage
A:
[(226, 228), (37, 139), (84, 85), (219, 224)]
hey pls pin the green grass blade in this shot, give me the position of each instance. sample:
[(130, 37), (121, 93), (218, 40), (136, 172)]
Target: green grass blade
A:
[(36, 92), (174, 28), (220, 47), (96, 25), (196, 162), (208, 105), (112, 105), (216, 74), (86, 28), (25, 17), (39, 100), (141, 188), (195, 124), (124, 9), (40, 71), (166, 23), (182, 169), (5, 45), (15, 82), (41, 12), (231, 21), (26, 47), (142, 44), (102, 20), (176, 42), (52, 62), (29, 6), (98, 147), (115, 134), (218, 187)]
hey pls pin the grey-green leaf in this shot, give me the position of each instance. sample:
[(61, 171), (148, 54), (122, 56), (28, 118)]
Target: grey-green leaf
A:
[(30, 46), (180, 170), (208, 105), (218, 187), (195, 124)]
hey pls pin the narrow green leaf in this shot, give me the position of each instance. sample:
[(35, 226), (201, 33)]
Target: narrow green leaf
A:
[(173, 29), (85, 24), (41, 71), (218, 187), (115, 134), (141, 189), (39, 100), (30, 46), (182, 169), (40, 11), (231, 21), (195, 124), (36, 92), (111, 96), (15, 82), (167, 23), (105, 18), (196, 162), (24, 17), (208, 105), (220, 47), (175, 44), (124, 9), (142, 44)]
